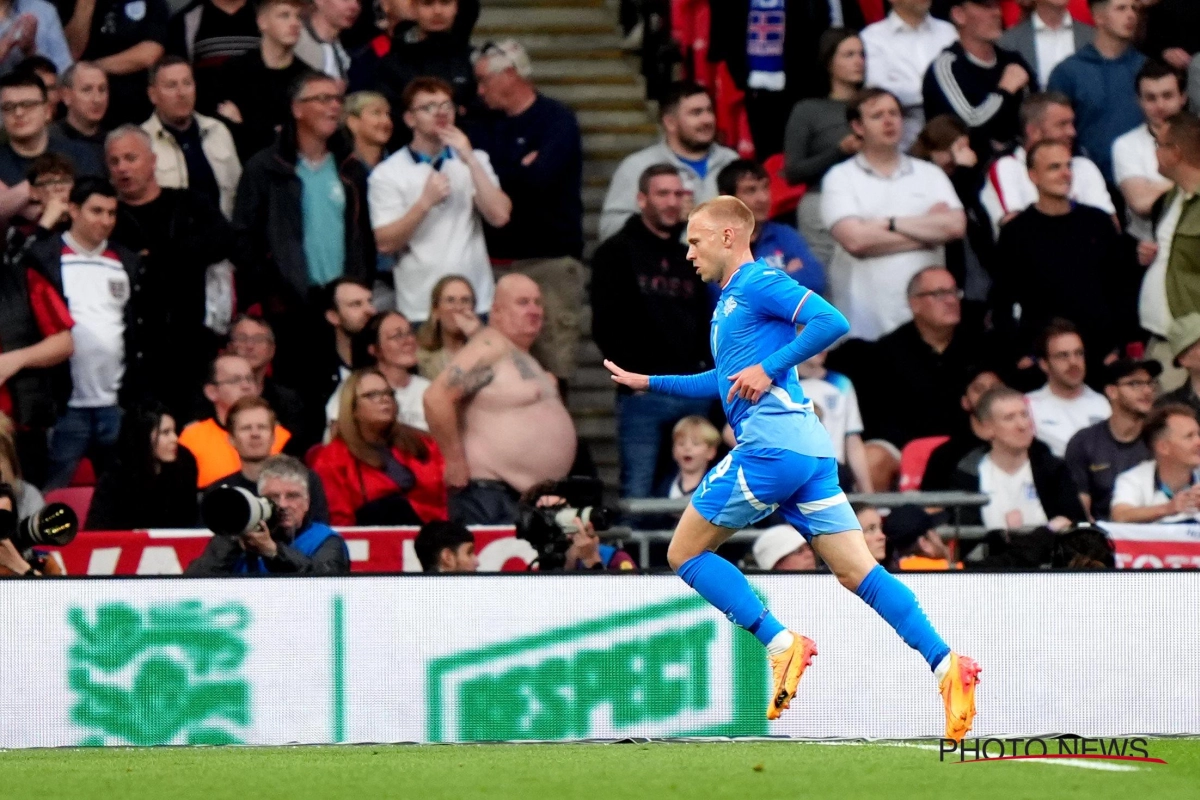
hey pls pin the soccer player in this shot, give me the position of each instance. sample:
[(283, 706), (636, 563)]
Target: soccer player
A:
[(783, 460)]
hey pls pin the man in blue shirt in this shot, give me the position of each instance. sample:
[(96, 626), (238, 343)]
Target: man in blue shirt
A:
[(783, 460), (779, 245)]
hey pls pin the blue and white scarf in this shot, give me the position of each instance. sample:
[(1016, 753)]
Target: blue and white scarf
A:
[(764, 44)]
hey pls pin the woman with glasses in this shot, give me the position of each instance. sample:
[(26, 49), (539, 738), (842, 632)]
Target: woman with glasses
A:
[(452, 321), (376, 470), (387, 343), (153, 482)]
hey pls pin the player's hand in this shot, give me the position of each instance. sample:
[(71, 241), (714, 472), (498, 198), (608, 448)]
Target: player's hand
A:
[(639, 383), (437, 189), (749, 384)]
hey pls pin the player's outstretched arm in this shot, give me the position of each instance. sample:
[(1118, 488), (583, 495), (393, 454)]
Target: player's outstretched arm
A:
[(703, 385)]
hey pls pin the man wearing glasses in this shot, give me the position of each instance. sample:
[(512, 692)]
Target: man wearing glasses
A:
[(26, 114), (230, 379), (1099, 453), (429, 200), (301, 225)]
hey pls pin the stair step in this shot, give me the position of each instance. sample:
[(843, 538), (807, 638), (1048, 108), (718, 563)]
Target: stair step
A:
[(554, 44), (608, 145), (546, 68), (606, 453), (627, 79), (534, 19), (602, 118), (545, 3), (599, 96), (588, 354), (591, 224), (549, 53), (631, 128), (585, 399), (598, 172), (591, 428), (592, 378), (593, 197)]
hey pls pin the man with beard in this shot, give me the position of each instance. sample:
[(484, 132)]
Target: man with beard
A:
[(1099, 453), (689, 131), (178, 235), (651, 311), (1065, 405)]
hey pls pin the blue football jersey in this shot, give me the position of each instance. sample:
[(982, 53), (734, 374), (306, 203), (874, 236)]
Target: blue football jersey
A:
[(757, 315)]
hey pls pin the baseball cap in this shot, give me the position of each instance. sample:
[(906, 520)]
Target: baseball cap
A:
[(773, 544), (905, 524), (1124, 367), (1183, 333)]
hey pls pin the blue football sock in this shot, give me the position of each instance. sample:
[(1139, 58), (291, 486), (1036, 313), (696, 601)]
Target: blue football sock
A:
[(896, 603), (724, 586)]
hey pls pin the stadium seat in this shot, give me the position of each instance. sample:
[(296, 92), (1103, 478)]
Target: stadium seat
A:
[(79, 498), (913, 459), (784, 196), (85, 474)]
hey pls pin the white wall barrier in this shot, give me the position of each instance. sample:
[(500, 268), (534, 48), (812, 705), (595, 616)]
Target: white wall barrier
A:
[(460, 658)]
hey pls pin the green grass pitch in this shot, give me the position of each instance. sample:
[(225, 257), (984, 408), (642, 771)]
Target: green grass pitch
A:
[(689, 771)]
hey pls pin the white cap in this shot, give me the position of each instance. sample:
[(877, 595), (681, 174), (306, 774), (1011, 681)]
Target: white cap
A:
[(775, 543)]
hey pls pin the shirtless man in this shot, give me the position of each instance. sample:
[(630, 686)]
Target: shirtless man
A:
[(497, 415)]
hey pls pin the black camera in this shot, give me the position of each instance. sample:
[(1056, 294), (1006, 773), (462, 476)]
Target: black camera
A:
[(234, 511), (55, 525), (548, 528)]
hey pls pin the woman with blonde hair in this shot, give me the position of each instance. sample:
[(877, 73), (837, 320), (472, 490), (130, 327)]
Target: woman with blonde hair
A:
[(452, 321), (28, 499), (376, 470), (367, 117)]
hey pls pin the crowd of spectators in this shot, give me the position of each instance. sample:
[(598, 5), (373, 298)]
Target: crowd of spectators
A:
[(314, 243)]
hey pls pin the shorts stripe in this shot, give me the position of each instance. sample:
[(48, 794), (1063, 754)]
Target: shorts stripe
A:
[(754, 502), (813, 506)]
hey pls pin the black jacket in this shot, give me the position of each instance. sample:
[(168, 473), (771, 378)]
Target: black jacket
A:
[(269, 224), (650, 312), (125, 500), (1051, 477), (222, 553)]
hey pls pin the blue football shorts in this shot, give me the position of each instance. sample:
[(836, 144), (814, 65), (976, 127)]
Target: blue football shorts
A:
[(748, 485)]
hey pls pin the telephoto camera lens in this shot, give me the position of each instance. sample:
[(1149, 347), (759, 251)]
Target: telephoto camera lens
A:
[(233, 511), (55, 525)]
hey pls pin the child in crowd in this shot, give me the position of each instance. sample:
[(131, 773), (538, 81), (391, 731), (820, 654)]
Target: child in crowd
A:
[(837, 405), (694, 449)]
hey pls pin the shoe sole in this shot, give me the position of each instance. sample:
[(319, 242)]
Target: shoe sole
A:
[(783, 698)]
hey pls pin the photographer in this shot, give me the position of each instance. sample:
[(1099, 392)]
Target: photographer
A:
[(29, 563), (549, 534), (289, 543)]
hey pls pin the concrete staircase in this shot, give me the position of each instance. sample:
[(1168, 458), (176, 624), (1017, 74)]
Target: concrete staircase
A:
[(575, 48)]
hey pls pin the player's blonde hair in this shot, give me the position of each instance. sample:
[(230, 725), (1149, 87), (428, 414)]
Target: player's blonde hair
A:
[(698, 426), (726, 210)]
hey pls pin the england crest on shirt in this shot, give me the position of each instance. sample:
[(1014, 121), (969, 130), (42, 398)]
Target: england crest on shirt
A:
[(118, 289)]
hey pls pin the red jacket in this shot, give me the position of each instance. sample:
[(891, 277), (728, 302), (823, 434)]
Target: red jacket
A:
[(350, 483)]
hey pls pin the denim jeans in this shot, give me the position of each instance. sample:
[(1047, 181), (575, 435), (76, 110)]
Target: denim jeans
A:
[(644, 423), (83, 432)]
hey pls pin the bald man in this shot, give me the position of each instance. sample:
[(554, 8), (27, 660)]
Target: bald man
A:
[(783, 460), (497, 415)]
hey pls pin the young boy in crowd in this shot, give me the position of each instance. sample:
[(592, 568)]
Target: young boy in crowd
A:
[(780, 245), (694, 449), (837, 405)]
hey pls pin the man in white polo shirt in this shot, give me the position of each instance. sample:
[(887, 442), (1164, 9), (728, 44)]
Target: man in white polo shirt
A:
[(427, 201), (1135, 164), (1167, 488), (1065, 405), (899, 50), (889, 214), (1009, 190), (94, 276)]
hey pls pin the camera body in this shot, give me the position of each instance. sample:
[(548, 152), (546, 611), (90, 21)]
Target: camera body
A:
[(548, 529), (234, 511)]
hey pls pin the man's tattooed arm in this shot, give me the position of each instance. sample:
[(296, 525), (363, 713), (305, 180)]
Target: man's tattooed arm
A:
[(469, 381)]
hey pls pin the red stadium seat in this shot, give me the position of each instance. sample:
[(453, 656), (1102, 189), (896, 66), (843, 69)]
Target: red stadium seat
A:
[(85, 474), (79, 498), (913, 459)]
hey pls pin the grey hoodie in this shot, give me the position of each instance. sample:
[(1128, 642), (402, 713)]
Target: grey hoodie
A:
[(621, 201)]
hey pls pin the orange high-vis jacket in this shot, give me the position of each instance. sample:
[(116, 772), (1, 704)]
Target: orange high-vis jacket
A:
[(215, 456)]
